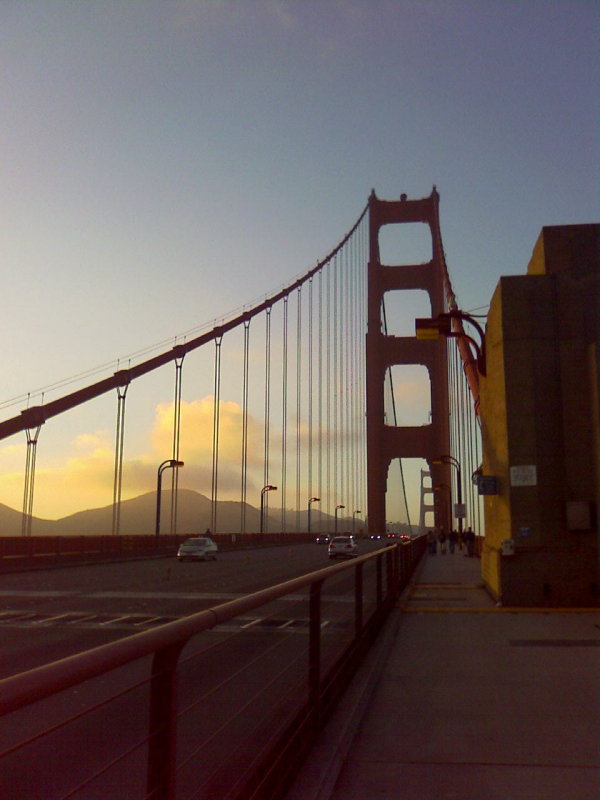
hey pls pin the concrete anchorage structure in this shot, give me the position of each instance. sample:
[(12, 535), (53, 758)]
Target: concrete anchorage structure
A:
[(387, 442), (540, 424)]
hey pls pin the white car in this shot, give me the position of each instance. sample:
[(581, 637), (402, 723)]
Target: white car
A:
[(343, 546), (200, 548)]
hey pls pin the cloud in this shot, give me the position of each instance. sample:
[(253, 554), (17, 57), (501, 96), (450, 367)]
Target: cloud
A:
[(84, 477), (12, 456), (196, 439)]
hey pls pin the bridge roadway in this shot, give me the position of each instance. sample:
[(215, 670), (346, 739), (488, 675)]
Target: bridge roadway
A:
[(48, 614), (463, 700), (51, 613)]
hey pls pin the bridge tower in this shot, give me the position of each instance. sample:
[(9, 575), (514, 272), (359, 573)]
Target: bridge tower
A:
[(426, 490), (386, 442)]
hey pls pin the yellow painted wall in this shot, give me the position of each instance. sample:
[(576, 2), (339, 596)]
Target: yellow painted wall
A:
[(539, 408), (495, 445)]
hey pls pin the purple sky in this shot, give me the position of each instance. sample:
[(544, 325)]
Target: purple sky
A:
[(166, 162)]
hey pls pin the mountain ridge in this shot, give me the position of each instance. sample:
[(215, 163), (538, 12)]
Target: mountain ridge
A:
[(138, 516)]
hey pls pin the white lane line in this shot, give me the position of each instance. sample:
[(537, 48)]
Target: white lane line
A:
[(36, 593)]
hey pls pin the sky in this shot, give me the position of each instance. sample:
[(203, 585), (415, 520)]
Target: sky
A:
[(164, 163)]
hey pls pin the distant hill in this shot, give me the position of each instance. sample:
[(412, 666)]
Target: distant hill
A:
[(11, 522), (138, 516)]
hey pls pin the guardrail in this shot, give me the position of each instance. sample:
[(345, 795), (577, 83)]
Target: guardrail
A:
[(211, 705), (17, 552)]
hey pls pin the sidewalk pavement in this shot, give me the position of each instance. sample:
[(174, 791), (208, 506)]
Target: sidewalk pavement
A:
[(463, 700)]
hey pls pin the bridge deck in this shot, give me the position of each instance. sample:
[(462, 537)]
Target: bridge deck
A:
[(462, 699)]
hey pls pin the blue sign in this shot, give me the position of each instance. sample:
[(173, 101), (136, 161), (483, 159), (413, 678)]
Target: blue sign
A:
[(487, 484)]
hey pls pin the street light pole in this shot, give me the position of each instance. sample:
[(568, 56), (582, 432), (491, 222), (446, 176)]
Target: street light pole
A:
[(170, 463), (354, 513), (336, 517), (263, 491), (312, 500)]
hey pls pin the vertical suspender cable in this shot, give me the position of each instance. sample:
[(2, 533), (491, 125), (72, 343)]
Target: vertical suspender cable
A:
[(465, 454), (350, 443), (298, 402), (176, 439), (215, 442), (345, 385), (284, 415), (320, 393), (349, 379), (473, 463), (336, 490), (328, 388), (465, 415), (267, 399), (342, 380), (310, 389), (354, 327), (363, 358), (453, 409), (244, 426), (456, 418), (120, 439), (456, 386), (361, 279), (478, 502), (357, 396), (32, 440)]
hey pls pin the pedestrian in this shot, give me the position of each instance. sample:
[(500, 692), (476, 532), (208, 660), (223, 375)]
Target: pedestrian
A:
[(431, 543), (453, 539), (442, 541), (470, 541)]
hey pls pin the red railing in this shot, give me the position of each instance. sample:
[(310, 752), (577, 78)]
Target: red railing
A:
[(149, 717)]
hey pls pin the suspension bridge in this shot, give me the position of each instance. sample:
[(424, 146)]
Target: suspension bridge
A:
[(305, 400), (228, 694)]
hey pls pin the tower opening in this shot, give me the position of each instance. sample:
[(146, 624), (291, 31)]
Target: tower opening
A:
[(407, 395), (400, 308), (409, 243)]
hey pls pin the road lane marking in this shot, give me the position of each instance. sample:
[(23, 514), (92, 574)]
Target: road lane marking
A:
[(115, 595), (37, 593)]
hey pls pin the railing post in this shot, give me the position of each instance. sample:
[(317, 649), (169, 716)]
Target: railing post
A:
[(358, 600), (314, 650), (379, 582), (405, 556), (163, 724), (391, 589)]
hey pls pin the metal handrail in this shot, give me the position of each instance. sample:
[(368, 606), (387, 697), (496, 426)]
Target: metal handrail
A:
[(166, 643), (20, 690)]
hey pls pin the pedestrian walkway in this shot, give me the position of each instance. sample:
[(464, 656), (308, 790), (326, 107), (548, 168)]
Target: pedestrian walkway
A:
[(464, 700)]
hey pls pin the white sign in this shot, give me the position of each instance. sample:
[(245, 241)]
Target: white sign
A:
[(525, 475)]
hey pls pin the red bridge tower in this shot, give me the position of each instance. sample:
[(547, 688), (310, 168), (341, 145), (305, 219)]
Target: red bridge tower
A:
[(386, 442)]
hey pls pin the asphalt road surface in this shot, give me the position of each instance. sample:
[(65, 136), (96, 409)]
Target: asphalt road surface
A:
[(236, 684), (51, 613)]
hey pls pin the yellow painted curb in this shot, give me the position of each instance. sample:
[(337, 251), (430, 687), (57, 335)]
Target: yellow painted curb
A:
[(414, 609), (449, 586)]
